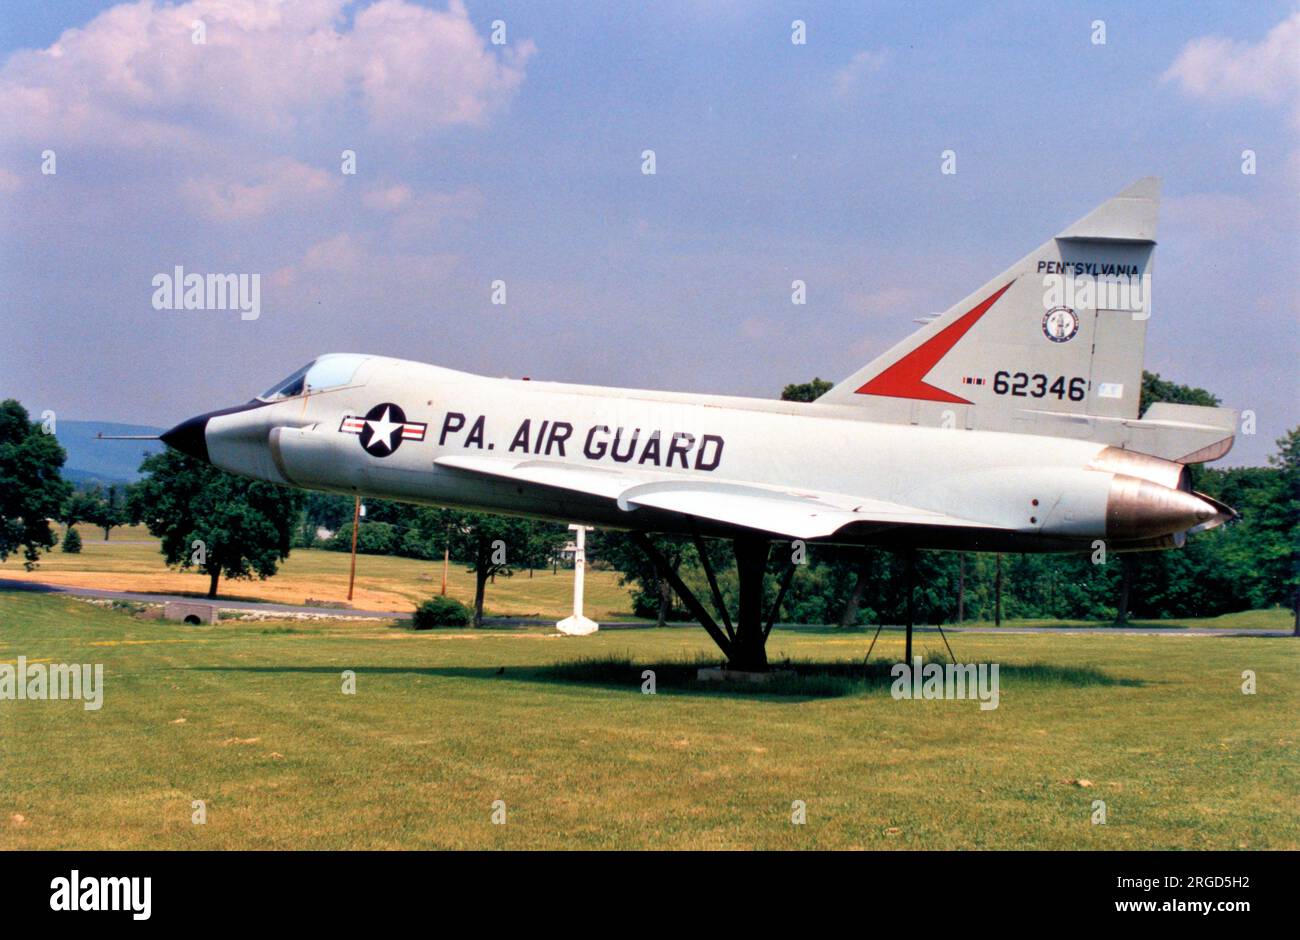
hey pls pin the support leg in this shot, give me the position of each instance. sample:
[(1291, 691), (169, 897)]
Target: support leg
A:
[(688, 598), (750, 652), (780, 596), (744, 643)]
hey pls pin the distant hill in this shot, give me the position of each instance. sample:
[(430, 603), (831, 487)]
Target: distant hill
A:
[(94, 461)]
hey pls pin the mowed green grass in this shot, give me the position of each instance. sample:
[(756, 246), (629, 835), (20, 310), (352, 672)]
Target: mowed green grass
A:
[(1275, 618), (437, 731)]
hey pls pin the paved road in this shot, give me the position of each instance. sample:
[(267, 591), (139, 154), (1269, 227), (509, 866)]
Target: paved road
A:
[(1118, 631), (42, 588), (39, 587)]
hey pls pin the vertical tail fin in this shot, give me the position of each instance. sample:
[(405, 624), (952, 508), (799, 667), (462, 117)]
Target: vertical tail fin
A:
[(1058, 335)]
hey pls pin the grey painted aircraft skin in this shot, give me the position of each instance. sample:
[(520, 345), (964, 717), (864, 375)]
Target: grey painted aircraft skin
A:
[(1009, 422)]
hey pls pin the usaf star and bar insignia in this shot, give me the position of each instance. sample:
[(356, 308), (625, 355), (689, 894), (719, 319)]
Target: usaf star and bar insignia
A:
[(383, 428)]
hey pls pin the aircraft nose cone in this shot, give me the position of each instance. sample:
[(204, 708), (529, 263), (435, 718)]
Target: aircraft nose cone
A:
[(189, 437)]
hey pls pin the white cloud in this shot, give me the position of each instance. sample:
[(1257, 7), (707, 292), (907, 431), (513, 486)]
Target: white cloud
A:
[(851, 77), (422, 68), (340, 254), (428, 213), (134, 78), (886, 315), (279, 183), (346, 267), (388, 199), (411, 209), (1212, 68), (249, 127), (887, 302)]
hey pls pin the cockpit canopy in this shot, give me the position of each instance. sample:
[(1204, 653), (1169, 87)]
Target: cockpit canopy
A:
[(331, 371)]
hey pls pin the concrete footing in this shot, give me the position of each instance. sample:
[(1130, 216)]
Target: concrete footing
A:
[(577, 625)]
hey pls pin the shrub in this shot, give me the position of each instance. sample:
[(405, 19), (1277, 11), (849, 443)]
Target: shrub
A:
[(373, 538), (415, 545), (72, 541), (304, 536), (439, 611)]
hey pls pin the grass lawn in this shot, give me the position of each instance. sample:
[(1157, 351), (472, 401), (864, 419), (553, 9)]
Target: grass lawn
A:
[(131, 561), (250, 718), (1276, 618)]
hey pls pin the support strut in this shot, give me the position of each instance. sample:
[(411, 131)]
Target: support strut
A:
[(744, 643), (780, 596), (909, 586), (718, 602), (686, 594)]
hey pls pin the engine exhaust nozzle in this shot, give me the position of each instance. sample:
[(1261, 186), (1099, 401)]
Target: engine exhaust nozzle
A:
[(1141, 509)]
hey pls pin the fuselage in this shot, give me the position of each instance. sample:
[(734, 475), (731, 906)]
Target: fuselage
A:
[(381, 429)]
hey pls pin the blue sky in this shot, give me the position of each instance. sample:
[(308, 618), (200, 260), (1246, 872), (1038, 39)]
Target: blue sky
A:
[(522, 163)]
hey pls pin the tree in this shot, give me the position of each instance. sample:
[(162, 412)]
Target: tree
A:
[(490, 545), (80, 506), (808, 391), (424, 533), (31, 489), (543, 542), (72, 541), (373, 538), (92, 504), (212, 520), (1155, 389), (1275, 527), (1128, 563), (652, 596), (1286, 512), (327, 510), (849, 613), (110, 511)]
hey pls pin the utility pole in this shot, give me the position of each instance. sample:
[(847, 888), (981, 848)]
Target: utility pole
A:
[(961, 587), (997, 593), (356, 521), (446, 559), (911, 603), (1126, 563)]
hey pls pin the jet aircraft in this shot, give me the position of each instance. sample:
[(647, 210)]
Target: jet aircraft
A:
[(1007, 423)]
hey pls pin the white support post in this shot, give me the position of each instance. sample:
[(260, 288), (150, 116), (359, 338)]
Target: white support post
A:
[(578, 625)]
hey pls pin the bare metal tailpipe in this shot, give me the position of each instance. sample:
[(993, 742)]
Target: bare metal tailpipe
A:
[(1143, 466), (1139, 510), (1159, 544)]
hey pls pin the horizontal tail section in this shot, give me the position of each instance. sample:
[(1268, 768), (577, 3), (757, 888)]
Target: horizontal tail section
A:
[(1055, 340), (1183, 433)]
